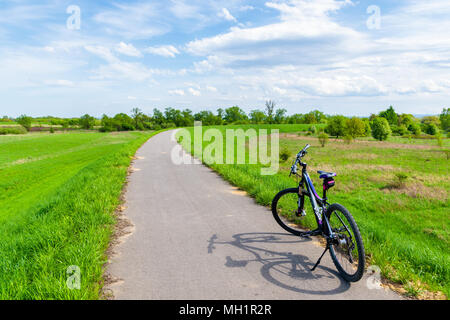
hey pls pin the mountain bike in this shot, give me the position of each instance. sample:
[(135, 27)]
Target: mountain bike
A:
[(334, 221)]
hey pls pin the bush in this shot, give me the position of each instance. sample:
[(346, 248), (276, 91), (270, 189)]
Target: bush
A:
[(312, 130), (399, 130), (285, 154), (431, 129), (323, 139), (355, 127), (440, 142), (415, 129), (15, 130), (25, 122), (380, 129), (156, 127), (348, 139), (400, 180)]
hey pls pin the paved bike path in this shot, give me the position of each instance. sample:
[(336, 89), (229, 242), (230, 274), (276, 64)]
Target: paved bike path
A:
[(197, 237)]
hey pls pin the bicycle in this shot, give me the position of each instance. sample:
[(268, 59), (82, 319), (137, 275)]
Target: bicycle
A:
[(334, 222)]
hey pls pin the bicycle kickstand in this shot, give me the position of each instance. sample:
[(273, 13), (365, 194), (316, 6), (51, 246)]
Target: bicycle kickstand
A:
[(318, 261)]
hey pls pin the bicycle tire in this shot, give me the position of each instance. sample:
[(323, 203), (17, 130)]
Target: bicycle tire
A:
[(336, 249), (286, 222)]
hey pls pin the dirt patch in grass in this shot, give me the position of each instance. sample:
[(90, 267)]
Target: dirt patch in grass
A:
[(417, 190)]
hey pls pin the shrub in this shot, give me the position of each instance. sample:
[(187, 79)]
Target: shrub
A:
[(25, 122), (156, 127), (400, 180), (323, 139), (380, 129), (348, 139), (312, 130), (52, 130), (355, 127), (15, 130), (440, 142), (285, 154), (431, 129), (415, 129), (399, 130)]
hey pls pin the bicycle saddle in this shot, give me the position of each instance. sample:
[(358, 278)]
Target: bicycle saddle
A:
[(326, 175)]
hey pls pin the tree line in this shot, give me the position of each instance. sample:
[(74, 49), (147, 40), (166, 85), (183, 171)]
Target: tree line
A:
[(380, 125)]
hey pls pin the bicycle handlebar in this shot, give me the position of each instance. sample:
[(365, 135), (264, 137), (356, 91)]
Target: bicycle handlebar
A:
[(301, 154)]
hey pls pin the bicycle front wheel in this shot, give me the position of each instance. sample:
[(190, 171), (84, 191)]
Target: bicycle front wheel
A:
[(285, 210), (347, 250)]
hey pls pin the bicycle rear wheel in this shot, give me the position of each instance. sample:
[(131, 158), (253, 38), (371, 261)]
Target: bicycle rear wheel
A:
[(285, 207), (347, 251)]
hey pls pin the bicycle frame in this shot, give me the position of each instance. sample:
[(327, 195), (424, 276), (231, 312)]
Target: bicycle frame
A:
[(319, 205)]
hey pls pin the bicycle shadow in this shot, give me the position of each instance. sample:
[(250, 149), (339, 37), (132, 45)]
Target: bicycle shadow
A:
[(284, 269)]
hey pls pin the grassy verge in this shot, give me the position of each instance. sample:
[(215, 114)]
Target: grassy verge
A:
[(397, 192), (57, 198)]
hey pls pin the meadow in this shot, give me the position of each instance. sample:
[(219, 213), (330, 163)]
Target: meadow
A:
[(397, 190), (58, 194)]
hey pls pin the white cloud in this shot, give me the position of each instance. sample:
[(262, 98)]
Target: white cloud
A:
[(128, 50), (211, 89), (133, 21), (177, 92), (102, 52), (224, 13), (194, 92), (279, 90), (167, 51)]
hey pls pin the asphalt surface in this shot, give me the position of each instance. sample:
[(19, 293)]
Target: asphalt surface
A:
[(197, 237)]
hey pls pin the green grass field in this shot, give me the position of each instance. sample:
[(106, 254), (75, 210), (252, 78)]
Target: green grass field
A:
[(58, 194), (396, 190)]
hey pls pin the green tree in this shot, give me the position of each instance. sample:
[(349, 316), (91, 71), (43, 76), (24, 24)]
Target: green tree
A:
[(336, 126), (25, 121), (367, 128), (158, 117), (280, 116), (270, 108), (295, 118), (430, 125), (257, 117), (390, 116), (87, 122), (137, 114), (207, 118), (188, 118), (235, 114), (381, 129), (445, 119), (415, 129), (354, 127)]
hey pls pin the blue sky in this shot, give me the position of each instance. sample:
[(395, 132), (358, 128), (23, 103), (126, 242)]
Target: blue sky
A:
[(335, 56)]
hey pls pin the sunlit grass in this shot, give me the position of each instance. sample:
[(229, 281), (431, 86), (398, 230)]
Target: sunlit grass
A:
[(57, 198)]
